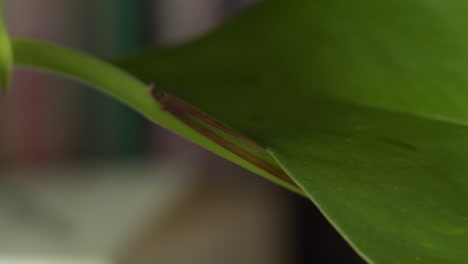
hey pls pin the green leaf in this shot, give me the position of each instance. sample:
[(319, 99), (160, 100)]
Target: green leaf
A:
[(117, 83), (6, 57), (363, 103)]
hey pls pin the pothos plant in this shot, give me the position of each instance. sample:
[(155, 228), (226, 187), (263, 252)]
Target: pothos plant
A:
[(362, 106)]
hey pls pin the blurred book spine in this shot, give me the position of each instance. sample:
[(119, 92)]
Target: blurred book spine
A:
[(181, 20), (174, 22), (112, 129), (232, 7)]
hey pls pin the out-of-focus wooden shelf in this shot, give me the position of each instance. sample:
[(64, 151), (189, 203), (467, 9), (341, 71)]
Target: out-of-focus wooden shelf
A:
[(138, 214), (83, 215)]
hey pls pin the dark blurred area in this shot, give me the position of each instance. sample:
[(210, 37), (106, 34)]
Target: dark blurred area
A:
[(87, 180)]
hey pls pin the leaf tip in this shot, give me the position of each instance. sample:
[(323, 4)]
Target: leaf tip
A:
[(6, 58)]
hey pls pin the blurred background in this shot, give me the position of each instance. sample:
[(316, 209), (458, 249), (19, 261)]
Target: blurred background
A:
[(85, 180)]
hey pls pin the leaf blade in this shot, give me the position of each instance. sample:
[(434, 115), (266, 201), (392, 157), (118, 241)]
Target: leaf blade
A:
[(347, 94)]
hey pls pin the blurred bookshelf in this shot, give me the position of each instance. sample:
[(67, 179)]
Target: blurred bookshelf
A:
[(86, 180)]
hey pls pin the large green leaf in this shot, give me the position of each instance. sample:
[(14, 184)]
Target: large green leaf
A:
[(363, 103), (6, 58)]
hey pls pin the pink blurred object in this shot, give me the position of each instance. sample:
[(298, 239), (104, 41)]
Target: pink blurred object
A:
[(34, 116)]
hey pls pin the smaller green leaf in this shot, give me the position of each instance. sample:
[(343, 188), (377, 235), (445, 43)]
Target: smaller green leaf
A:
[(6, 56)]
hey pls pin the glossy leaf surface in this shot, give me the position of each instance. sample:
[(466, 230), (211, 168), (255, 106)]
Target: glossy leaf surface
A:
[(363, 103)]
